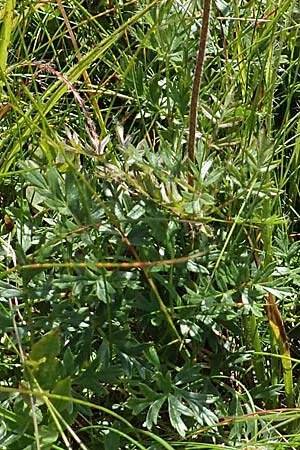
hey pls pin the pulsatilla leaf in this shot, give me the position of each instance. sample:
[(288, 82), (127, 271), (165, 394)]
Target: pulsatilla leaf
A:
[(47, 347), (176, 410), (63, 388), (153, 411)]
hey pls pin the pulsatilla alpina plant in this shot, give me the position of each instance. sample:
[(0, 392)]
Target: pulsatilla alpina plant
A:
[(138, 309)]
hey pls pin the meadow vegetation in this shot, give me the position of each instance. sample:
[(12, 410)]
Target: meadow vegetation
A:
[(138, 309)]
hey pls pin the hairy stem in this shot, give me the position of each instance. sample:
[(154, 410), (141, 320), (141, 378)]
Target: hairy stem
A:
[(197, 81)]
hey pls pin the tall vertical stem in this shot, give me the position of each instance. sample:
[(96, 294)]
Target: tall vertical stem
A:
[(196, 83)]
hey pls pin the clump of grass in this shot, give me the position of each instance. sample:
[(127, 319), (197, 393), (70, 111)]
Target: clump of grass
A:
[(140, 309)]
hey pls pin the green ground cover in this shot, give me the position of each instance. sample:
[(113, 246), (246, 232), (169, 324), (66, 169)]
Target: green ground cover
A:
[(149, 298)]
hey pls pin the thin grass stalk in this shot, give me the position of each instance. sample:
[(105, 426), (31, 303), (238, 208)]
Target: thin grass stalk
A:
[(277, 326), (103, 265), (267, 230), (5, 35), (253, 342), (251, 330), (293, 166), (240, 53), (293, 190), (277, 329)]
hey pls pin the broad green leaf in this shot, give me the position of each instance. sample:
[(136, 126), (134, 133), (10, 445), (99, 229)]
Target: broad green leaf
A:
[(7, 290), (69, 361), (63, 388), (47, 373), (153, 411), (175, 408), (48, 435), (47, 347)]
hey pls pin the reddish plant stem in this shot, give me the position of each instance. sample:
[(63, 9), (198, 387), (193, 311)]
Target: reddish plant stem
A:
[(196, 83)]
